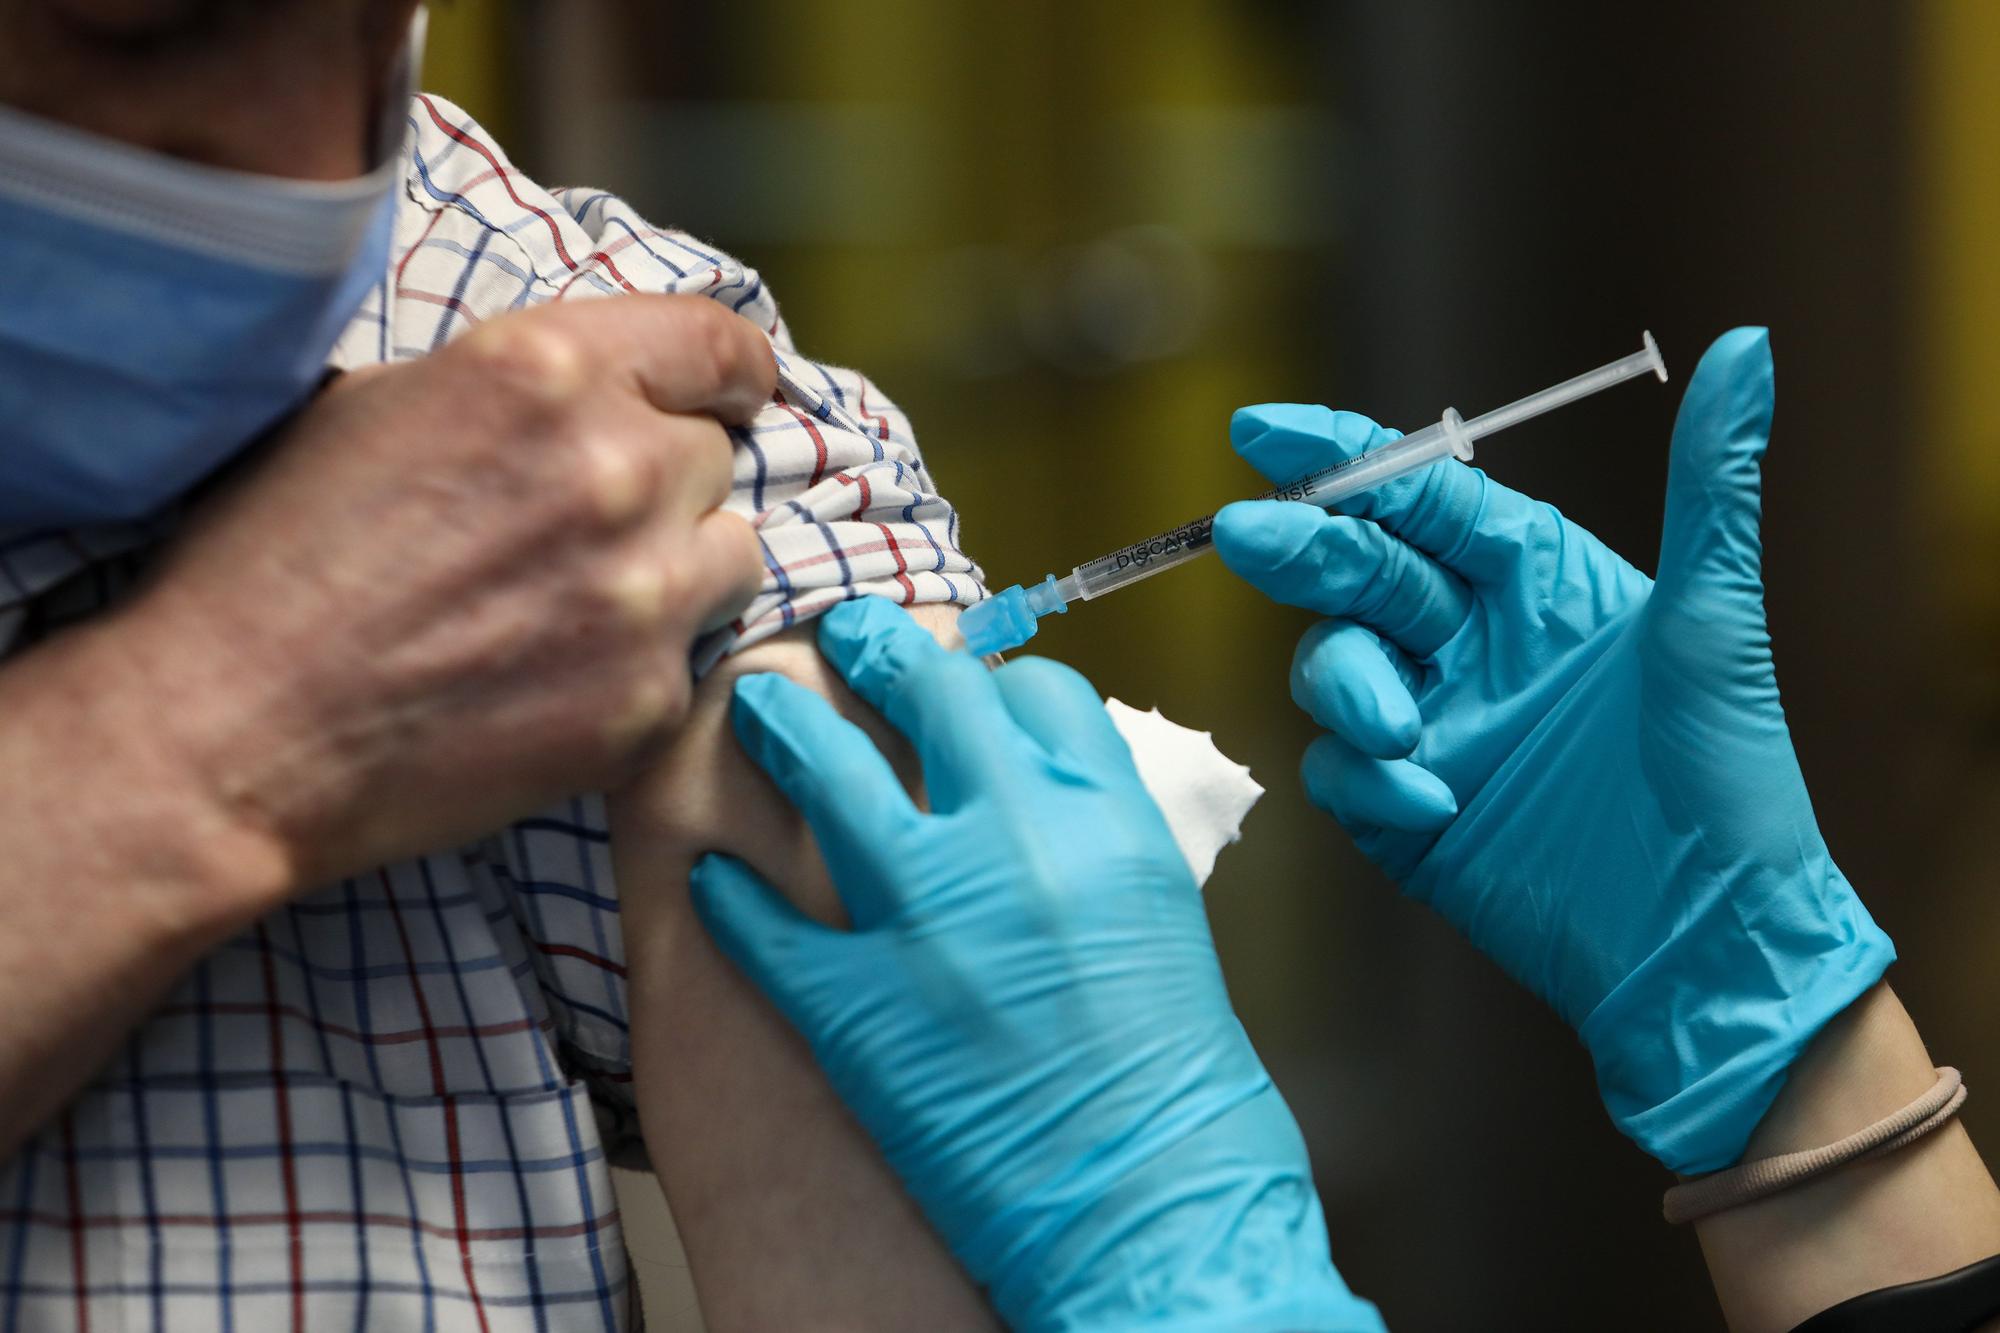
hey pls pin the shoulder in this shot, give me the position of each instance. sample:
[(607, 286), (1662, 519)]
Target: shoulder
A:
[(477, 238)]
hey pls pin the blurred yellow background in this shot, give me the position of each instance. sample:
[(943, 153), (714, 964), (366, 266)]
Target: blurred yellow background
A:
[(1070, 237)]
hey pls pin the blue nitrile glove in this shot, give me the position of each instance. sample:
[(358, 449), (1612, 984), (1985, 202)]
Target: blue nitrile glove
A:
[(1028, 1015), (1586, 772)]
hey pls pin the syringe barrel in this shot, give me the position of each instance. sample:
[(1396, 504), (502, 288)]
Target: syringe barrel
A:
[(1365, 471), (1177, 546), (1140, 560)]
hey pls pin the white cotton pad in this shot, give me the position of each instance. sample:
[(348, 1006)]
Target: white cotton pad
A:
[(1203, 793)]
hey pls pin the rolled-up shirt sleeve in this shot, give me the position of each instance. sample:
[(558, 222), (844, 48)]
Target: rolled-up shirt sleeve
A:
[(829, 473)]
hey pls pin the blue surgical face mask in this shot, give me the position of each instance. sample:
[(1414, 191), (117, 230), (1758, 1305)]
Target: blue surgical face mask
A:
[(157, 316)]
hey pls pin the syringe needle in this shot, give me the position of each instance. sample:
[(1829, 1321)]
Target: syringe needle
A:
[(1009, 619)]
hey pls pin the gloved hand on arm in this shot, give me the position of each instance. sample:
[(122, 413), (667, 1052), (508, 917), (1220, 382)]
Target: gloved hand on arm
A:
[(1027, 1014), (1585, 771)]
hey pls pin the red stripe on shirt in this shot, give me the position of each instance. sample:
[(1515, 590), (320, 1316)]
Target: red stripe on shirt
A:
[(849, 553), (622, 243), (572, 951), (819, 441), (451, 303), (404, 266), (860, 481), (450, 1106), (866, 415), (902, 565), (505, 177)]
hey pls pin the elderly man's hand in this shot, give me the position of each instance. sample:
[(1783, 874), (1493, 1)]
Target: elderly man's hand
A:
[(461, 587)]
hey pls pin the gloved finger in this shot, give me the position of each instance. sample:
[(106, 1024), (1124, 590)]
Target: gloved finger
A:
[(945, 702), (1303, 556), (1288, 441), (1453, 513), (773, 943), (1064, 713), (1363, 792), (1710, 550), (842, 784), (1358, 687)]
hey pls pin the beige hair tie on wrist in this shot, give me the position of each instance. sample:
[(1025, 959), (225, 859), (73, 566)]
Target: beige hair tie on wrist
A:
[(1704, 1196)]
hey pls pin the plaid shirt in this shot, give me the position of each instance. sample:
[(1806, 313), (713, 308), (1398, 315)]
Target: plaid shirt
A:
[(389, 1104)]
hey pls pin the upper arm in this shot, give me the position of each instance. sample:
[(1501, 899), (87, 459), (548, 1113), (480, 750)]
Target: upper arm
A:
[(705, 794), (789, 1216)]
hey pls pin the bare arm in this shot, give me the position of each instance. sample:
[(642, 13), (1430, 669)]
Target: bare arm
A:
[(1918, 1213), (120, 871), (790, 1217)]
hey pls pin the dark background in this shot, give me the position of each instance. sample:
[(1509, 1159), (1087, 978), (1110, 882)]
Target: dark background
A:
[(1070, 237)]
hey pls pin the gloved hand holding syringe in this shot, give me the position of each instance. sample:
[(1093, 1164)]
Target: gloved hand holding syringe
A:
[(1008, 619)]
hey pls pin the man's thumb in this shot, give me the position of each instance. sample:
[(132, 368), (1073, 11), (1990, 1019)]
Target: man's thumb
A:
[(1711, 544)]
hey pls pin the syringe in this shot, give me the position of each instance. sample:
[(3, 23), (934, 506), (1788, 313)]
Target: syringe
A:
[(1008, 619)]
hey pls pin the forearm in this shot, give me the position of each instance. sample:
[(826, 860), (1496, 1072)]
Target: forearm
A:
[(789, 1215), (118, 877), (1917, 1213)]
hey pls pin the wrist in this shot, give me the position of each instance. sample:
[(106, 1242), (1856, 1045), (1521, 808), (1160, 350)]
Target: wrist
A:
[(1222, 1230), (136, 737), (1919, 1212), (1867, 1063)]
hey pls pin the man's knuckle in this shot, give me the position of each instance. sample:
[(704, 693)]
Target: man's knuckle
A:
[(687, 436), (675, 692), (636, 591), (710, 359), (745, 549), (651, 709), (618, 478), (678, 585), (532, 361), (727, 355), (729, 360), (704, 457)]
